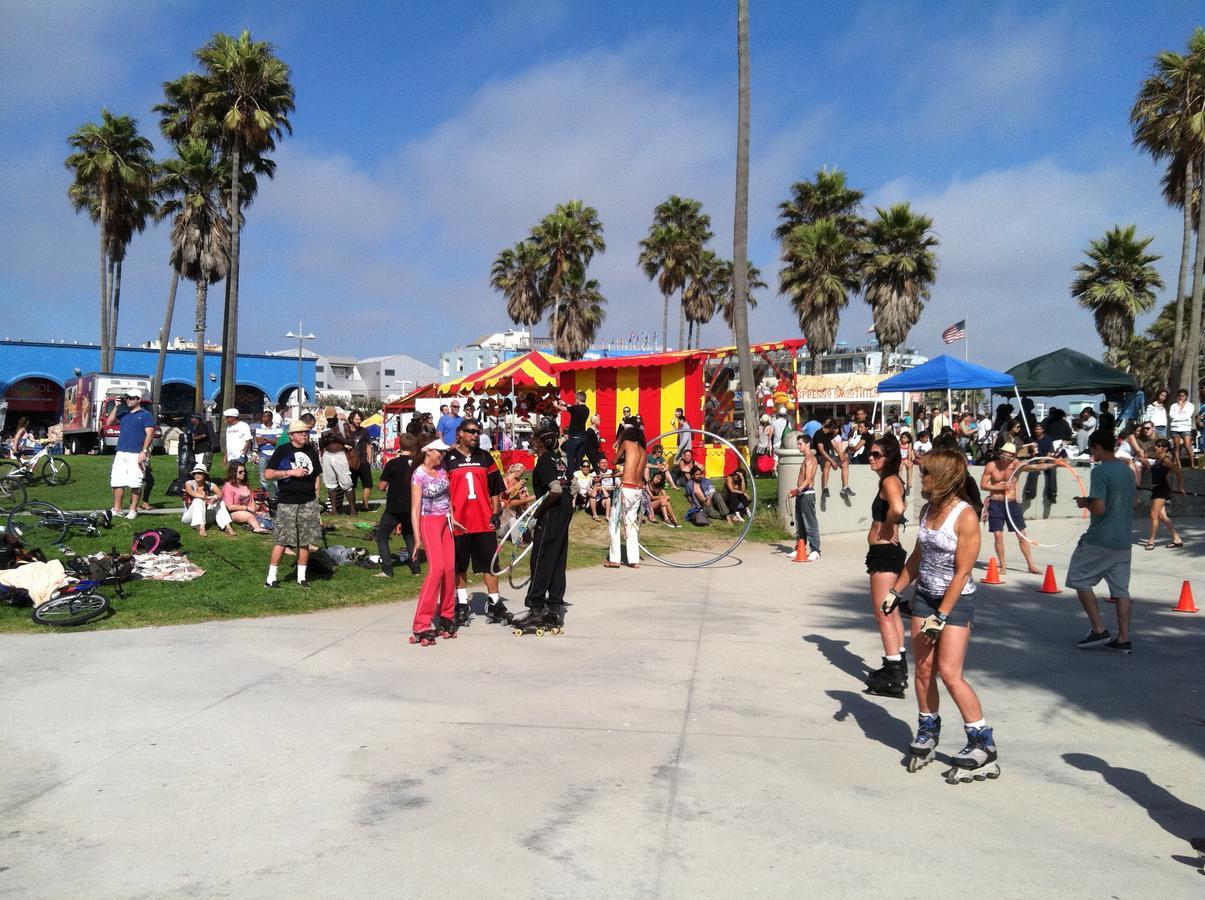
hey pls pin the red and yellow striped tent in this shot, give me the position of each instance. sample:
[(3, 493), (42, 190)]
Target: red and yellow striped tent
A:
[(533, 369)]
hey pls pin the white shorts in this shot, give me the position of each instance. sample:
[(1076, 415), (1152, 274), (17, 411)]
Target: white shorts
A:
[(126, 471)]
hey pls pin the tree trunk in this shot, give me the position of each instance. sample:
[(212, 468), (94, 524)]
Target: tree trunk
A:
[(230, 338), (113, 313), (1192, 346), (164, 335), (1173, 375), (681, 325), (665, 323), (104, 283), (740, 230), (885, 362), (198, 398)]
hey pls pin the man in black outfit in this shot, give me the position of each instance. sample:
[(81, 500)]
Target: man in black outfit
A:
[(575, 434), (395, 481), (550, 550)]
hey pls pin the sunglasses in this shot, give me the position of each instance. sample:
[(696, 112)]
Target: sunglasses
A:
[(472, 431), (875, 454), (924, 472)]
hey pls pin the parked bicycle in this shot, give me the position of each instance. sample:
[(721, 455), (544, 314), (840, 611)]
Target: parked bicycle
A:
[(43, 466), (12, 494), (38, 523)]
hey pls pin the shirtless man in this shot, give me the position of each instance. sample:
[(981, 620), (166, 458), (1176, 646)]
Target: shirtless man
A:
[(630, 456), (807, 526), (1001, 491)]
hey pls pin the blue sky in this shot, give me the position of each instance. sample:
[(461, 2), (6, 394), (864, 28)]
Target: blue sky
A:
[(430, 136)]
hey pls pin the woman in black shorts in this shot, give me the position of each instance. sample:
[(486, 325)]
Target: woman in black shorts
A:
[(362, 444), (1165, 466), (885, 559)]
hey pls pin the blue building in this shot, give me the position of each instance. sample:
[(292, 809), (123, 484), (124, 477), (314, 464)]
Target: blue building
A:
[(32, 375)]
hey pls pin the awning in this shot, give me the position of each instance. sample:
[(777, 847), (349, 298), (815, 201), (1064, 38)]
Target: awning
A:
[(533, 369), (1068, 371), (853, 388), (945, 373), (406, 403), (672, 356)]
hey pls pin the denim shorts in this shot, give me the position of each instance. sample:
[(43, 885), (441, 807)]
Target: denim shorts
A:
[(924, 604)]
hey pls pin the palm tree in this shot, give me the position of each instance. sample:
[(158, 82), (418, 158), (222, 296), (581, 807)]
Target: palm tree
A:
[(671, 251), (701, 296), (821, 268), (1117, 283), (740, 228), (569, 237), (900, 268), (519, 274), (1163, 124), (107, 158), (248, 92), (828, 197), (192, 187), (754, 282), (580, 316)]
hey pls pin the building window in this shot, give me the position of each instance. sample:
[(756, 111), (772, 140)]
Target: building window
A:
[(389, 373), (460, 364), (319, 384), (444, 366), (319, 369)]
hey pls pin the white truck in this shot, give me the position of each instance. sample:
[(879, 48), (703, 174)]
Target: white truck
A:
[(87, 401)]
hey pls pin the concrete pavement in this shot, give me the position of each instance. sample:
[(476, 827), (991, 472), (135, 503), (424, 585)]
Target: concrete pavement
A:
[(694, 734)]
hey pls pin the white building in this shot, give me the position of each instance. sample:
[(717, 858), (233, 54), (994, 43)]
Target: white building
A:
[(382, 378), (488, 351), (861, 360)]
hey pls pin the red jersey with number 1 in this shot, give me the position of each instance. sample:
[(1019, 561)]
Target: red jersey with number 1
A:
[(472, 481)]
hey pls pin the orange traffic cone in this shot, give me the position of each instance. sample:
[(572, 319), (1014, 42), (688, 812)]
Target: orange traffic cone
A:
[(1186, 603), (1049, 585), (801, 551), (993, 573)]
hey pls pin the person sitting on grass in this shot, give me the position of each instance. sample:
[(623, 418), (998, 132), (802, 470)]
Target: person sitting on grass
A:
[(681, 473), (237, 498), (583, 481), (203, 503), (597, 496), (706, 498), (659, 500), (737, 494), (516, 498)]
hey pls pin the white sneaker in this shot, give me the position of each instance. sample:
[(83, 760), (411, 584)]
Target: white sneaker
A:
[(132, 514), (813, 556)]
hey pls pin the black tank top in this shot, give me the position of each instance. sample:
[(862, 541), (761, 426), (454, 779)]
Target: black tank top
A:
[(1159, 476), (878, 509)]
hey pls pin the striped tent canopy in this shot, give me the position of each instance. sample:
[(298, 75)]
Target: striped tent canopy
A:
[(533, 369), (406, 403)]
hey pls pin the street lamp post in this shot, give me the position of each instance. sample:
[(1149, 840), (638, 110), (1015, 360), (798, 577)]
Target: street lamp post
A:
[(300, 336)]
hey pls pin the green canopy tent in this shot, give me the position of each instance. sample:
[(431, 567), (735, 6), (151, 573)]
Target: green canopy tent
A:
[(1068, 371)]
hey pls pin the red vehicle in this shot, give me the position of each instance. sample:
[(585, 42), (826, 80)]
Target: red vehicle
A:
[(87, 402)]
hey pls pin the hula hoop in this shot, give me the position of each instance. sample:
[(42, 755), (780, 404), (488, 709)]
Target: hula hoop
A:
[(514, 537), (752, 502), (1057, 463)]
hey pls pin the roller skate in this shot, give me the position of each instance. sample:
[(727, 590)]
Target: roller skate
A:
[(535, 621), (423, 638), (496, 611), (889, 681), (464, 615), (921, 750), (976, 761), (554, 620), (445, 628)]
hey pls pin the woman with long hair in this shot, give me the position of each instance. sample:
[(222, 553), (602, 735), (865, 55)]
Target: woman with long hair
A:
[(203, 503), (430, 515), (1156, 412), (238, 499), (907, 460), (1165, 466), (942, 611), (885, 560), (362, 449), (1179, 425)]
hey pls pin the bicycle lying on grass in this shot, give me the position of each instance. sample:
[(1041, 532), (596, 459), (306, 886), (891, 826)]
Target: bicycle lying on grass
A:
[(43, 466), (12, 494), (38, 523)]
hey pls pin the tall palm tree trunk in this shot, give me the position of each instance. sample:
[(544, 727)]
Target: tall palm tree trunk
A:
[(230, 338), (1192, 346), (740, 229), (681, 325), (1177, 355), (114, 312), (665, 323), (164, 334), (885, 362), (104, 284), (198, 399)]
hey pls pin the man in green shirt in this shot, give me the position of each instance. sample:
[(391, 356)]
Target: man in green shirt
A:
[(1104, 549)]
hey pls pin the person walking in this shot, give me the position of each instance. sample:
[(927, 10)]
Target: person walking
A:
[(1165, 466), (296, 524), (360, 452), (431, 521), (396, 479), (1156, 412), (885, 559), (1003, 510), (545, 599), (449, 421), (1103, 552), (1179, 425), (807, 526), (136, 432), (630, 458), (941, 613), (238, 437)]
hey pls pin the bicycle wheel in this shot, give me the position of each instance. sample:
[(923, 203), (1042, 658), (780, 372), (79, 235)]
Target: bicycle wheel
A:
[(8, 468), (38, 523), (71, 609), (55, 470), (12, 494)]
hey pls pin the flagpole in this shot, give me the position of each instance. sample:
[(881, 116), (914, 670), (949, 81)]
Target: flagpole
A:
[(966, 340)]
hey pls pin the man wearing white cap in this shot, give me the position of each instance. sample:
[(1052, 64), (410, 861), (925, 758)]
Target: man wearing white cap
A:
[(137, 431), (295, 468), (238, 438)]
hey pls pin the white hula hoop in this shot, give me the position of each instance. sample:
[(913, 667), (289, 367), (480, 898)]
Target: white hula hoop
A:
[(752, 502), (513, 535), (1058, 464)]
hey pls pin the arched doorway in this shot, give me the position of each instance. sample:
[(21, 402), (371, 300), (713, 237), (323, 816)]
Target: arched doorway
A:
[(175, 401), (39, 400)]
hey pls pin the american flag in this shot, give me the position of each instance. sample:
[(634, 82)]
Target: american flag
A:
[(956, 332)]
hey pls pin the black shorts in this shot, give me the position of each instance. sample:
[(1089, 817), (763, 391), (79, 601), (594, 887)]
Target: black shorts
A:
[(362, 475), (477, 548), (885, 558)]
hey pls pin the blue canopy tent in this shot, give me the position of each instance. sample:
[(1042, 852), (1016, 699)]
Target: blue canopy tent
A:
[(945, 373)]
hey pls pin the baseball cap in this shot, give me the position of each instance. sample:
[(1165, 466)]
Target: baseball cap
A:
[(297, 425), (436, 444), (231, 412)]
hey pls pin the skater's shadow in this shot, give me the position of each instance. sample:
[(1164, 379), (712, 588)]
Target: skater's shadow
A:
[(1179, 819), (876, 723), (836, 654)]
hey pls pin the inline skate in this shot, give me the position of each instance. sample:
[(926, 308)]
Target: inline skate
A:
[(922, 749), (976, 761)]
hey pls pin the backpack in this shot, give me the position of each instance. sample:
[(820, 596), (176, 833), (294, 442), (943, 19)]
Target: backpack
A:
[(156, 540), (698, 517), (109, 569), (321, 564)]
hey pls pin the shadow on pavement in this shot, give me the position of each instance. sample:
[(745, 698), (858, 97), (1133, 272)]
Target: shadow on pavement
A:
[(1179, 819), (834, 651), (876, 723)]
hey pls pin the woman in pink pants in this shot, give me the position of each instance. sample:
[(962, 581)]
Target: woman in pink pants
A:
[(429, 513)]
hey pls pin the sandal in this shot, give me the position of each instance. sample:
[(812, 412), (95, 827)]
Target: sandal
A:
[(1150, 545), (1174, 545)]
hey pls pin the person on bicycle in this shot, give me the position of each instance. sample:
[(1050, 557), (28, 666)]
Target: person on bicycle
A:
[(137, 431)]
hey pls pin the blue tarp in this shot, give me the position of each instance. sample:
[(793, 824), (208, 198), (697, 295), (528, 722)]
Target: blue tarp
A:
[(945, 373)]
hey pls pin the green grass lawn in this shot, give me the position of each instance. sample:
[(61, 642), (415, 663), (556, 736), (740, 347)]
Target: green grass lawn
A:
[(232, 586)]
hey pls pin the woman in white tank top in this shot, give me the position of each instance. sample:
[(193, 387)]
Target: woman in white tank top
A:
[(942, 611)]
